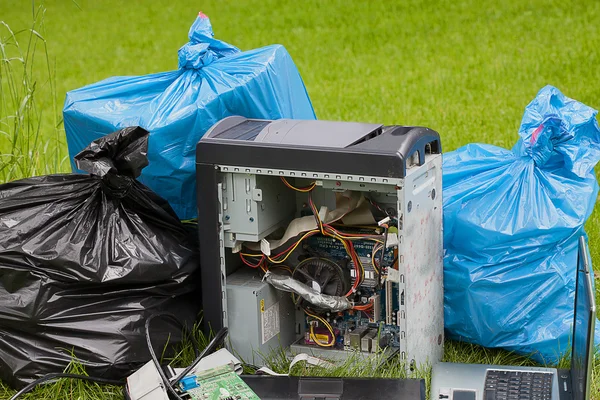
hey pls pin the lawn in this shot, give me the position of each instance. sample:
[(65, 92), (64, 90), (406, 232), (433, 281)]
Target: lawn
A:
[(465, 68)]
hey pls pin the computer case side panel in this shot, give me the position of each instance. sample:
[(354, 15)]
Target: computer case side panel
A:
[(209, 228)]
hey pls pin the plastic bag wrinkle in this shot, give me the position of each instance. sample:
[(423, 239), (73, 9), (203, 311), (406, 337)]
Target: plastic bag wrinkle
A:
[(512, 219), (83, 266)]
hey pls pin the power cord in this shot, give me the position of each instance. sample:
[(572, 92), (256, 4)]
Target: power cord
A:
[(153, 354), (211, 347), (214, 343)]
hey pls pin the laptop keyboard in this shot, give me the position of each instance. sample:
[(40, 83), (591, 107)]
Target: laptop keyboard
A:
[(517, 385)]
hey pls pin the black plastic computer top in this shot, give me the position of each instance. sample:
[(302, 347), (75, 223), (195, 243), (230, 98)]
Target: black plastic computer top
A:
[(337, 147)]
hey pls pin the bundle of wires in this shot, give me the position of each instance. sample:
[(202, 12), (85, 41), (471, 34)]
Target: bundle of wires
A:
[(264, 262)]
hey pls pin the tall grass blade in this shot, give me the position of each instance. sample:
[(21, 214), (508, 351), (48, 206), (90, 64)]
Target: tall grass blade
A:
[(24, 78)]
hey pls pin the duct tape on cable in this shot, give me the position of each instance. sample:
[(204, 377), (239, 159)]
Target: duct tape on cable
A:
[(288, 284)]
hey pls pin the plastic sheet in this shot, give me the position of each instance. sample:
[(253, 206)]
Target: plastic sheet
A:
[(214, 80), (84, 261), (512, 220)]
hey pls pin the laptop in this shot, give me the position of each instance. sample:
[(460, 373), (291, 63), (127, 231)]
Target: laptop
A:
[(450, 381), (305, 388)]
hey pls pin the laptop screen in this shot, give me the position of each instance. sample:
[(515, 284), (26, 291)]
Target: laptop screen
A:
[(583, 326)]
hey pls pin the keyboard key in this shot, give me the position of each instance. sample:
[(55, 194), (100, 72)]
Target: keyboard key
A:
[(489, 395), (513, 385)]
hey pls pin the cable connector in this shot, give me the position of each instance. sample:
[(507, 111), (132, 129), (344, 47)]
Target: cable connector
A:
[(189, 382), (383, 221), (265, 247), (237, 247), (392, 240)]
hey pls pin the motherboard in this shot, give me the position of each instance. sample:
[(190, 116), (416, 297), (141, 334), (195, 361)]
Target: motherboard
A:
[(370, 330)]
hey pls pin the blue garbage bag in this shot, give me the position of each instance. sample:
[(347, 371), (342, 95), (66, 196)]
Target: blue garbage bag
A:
[(512, 220), (214, 80)]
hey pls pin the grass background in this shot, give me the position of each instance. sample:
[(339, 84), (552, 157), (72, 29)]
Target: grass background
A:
[(464, 68)]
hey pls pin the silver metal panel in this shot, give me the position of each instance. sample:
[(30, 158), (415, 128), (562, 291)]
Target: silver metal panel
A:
[(323, 198), (312, 175), (254, 309), (222, 257), (358, 186), (254, 205), (422, 263)]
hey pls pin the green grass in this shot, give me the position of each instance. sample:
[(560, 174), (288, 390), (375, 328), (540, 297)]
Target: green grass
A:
[(464, 68)]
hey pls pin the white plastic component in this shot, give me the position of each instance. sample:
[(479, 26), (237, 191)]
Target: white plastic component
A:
[(237, 247), (393, 275), (392, 240), (383, 221), (310, 360), (217, 359), (265, 248), (146, 384)]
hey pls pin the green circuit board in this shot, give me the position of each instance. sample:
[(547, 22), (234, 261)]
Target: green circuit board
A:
[(221, 383)]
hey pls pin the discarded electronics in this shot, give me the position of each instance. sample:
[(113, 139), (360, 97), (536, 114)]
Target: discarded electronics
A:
[(347, 217), (217, 376)]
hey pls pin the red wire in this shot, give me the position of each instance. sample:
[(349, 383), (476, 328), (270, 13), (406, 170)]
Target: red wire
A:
[(252, 265)]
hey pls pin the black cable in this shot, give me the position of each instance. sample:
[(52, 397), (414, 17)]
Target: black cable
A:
[(211, 347), (217, 341), (52, 376), (153, 354), (199, 355)]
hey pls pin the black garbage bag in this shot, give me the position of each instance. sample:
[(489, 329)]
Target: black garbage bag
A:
[(85, 260)]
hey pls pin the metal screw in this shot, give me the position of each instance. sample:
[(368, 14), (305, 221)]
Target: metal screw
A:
[(227, 217), (251, 219)]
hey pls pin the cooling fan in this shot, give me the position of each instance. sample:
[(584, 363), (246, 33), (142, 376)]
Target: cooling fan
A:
[(323, 275)]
